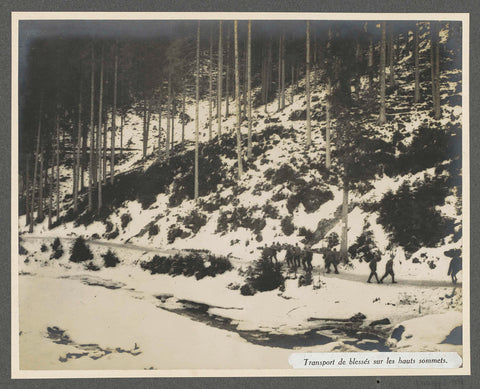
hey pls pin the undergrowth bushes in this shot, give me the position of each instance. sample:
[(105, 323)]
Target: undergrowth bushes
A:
[(263, 276), (195, 264), (410, 217), (80, 251)]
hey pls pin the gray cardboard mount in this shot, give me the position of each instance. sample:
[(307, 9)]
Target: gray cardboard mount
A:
[(392, 382)]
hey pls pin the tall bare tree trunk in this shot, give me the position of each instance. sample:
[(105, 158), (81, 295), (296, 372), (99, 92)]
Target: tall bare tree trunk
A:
[(344, 241), (104, 156), (57, 154), (309, 132), (210, 81), (383, 117), (83, 159), (27, 190), (219, 79), (292, 94), (92, 136), (279, 78), (227, 76), (237, 96), (122, 121), (99, 134), (114, 118), (173, 122), (370, 58), (183, 114), (77, 167), (40, 189), (50, 193), (249, 88), (169, 103), (145, 113), (159, 128), (328, 163), (268, 73), (35, 169), (438, 108), (417, 67), (432, 65), (283, 69), (391, 56), (197, 109)]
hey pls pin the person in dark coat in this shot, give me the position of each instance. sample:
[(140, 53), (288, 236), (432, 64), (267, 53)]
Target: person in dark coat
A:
[(331, 259), (454, 267), (289, 256), (307, 258), (373, 267), (389, 271), (297, 255), (269, 253)]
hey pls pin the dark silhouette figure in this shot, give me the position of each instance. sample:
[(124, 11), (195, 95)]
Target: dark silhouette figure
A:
[(373, 267), (389, 271), (331, 258), (454, 267), (297, 255), (289, 256), (269, 253), (307, 259)]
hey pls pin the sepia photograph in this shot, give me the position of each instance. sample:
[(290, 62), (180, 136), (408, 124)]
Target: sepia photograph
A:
[(239, 194)]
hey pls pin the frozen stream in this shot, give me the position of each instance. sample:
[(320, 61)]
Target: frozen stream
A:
[(65, 324)]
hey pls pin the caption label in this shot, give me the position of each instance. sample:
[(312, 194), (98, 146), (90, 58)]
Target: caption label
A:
[(420, 360)]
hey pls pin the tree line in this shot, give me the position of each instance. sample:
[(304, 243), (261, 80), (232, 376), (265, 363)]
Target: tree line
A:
[(73, 92)]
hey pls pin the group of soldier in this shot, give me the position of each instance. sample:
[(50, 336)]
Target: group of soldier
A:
[(296, 257)]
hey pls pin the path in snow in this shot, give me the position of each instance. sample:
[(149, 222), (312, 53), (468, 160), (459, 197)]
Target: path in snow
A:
[(348, 276)]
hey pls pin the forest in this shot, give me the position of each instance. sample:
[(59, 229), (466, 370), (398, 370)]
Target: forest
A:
[(75, 89)]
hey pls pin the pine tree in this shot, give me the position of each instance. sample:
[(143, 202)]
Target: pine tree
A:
[(197, 109), (328, 163), (249, 88), (169, 104), (50, 193), (40, 186), (183, 114), (391, 57), (283, 70), (219, 79), (57, 154), (438, 108), (279, 74), (227, 76), (210, 80), (114, 117), (160, 124), (237, 97), (417, 66), (77, 167), (99, 134), (309, 135), (35, 169), (92, 136), (383, 117)]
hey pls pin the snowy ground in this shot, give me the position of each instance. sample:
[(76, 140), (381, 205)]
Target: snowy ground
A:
[(125, 318)]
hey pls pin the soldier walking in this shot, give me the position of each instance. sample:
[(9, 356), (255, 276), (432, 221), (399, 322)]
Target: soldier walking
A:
[(373, 267)]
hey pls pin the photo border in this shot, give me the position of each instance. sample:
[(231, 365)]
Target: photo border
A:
[(17, 16)]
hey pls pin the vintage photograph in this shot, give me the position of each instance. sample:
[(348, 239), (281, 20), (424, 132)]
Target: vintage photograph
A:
[(218, 193)]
